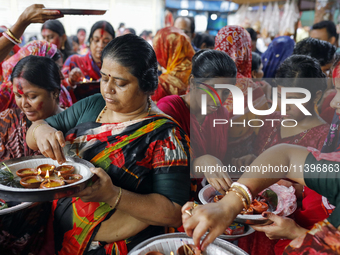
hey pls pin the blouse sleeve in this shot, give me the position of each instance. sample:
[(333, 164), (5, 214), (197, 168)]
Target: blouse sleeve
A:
[(324, 177), (170, 162), (83, 111)]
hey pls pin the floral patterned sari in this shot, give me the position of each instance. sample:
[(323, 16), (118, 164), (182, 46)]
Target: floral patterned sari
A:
[(134, 154)]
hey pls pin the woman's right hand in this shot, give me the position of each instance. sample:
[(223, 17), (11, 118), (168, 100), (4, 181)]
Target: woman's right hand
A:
[(50, 142), (75, 75), (36, 14)]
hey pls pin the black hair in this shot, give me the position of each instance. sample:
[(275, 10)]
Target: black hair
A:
[(336, 60), (102, 24), (42, 72), (132, 31), (136, 54), (329, 25), (81, 29), (145, 33), (121, 25), (57, 27), (294, 71), (207, 64), (321, 50), (255, 61), (201, 38), (192, 22), (74, 38), (253, 34)]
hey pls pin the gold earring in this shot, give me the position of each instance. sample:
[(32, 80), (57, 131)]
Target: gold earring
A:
[(63, 47)]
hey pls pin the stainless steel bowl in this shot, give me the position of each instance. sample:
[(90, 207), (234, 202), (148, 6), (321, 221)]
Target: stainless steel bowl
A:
[(225, 246), (40, 195)]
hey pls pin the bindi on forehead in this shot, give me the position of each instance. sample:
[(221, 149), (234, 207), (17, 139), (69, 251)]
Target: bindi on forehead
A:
[(20, 89)]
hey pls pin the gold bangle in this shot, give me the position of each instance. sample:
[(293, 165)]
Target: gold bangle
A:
[(36, 128), (244, 202), (244, 193), (18, 41), (118, 199)]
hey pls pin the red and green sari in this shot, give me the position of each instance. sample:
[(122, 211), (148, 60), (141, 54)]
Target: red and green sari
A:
[(144, 156)]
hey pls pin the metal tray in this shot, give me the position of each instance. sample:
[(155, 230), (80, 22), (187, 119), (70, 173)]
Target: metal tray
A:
[(40, 195), (15, 208), (77, 11), (227, 247), (207, 194)]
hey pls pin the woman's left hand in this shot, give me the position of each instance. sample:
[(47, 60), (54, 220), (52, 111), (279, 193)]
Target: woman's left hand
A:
[(282, 227), (102, 190)]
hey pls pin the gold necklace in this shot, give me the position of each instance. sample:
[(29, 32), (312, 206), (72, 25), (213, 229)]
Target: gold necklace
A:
[(105, 108)]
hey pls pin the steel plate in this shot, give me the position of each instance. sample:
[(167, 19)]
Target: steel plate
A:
[(207, 194), (225, 245), (40, 195)]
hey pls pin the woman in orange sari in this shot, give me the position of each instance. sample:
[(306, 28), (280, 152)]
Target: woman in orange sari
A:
[(174, 53), (236, 42)]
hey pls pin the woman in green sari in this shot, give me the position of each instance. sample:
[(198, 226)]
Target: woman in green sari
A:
[(141, 157)]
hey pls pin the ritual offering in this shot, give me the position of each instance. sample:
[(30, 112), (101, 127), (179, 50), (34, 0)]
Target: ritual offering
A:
[(277, 199), (46, 167), (65, 169), (51, 184), (44, 182), (26, 172), (71, 178), (31, 182)]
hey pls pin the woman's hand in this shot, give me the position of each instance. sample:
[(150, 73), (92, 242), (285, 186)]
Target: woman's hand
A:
[(102, 190), (36, 14), (215, 217), (219, 180), (49, 142), (75, 76), (282, 227)]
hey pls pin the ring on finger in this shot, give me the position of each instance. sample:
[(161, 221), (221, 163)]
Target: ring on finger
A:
[(189, 211)]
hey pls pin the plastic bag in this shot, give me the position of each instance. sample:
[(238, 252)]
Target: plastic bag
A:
[(286, 203), (274, 25), (289, 18), (267, 19)]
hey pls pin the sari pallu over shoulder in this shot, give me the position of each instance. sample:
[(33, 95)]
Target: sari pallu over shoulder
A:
[(133, 154)]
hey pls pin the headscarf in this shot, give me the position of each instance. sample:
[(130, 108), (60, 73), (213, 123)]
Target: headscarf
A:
[(331, 147), (36, 48), (236, 42), (174, 53), (278, 50)]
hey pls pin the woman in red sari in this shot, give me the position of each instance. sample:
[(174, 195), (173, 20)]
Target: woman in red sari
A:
[(311, 131), (236, 42), (174, 53), (209, 67), (76, 67)]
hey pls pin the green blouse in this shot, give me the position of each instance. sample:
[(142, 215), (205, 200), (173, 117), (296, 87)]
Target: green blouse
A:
[(325, 183)]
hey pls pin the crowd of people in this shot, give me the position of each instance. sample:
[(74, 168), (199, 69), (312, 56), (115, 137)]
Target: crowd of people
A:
[(145, 129)]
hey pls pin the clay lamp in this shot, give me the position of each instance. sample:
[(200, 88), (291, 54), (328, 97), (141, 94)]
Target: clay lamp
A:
[(66, 169), (51, 183), (26, 172), (46, 167), (31, 182), (71, 178)]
